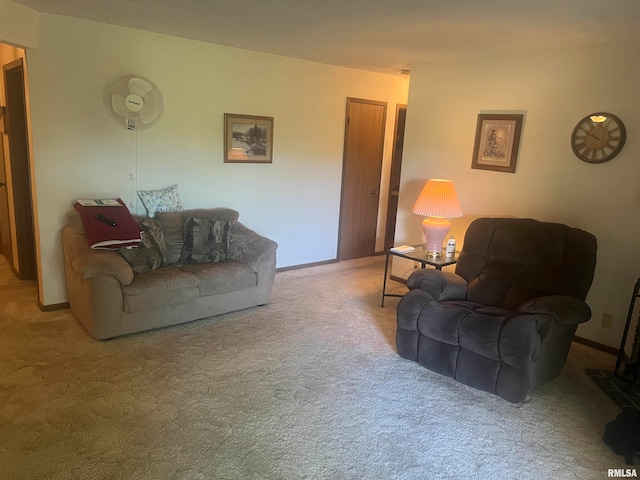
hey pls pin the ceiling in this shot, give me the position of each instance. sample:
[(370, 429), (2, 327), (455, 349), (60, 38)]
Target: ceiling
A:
[(376, 35)]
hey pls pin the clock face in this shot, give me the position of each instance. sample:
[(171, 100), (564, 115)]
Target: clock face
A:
[(598, 137)]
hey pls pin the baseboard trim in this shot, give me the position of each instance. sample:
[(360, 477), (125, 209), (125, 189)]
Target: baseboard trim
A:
[(315, 264), (598, 346), (53, 306), (306, 265)]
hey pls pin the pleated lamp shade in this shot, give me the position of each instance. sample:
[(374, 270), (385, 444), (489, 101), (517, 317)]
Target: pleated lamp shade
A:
[(438, 201)]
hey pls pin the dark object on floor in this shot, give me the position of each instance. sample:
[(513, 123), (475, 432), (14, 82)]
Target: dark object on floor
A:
[(623, 434), (631, 367), (503, 323), (630, 370), (623, 392)]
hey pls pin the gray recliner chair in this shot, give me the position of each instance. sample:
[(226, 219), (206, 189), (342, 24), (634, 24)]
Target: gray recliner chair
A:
[(504, 321)]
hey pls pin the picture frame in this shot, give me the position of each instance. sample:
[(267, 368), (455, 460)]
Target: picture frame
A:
[(248, 139), (497, 142)]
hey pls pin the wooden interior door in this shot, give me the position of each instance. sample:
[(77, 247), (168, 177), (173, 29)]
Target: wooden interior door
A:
[(394, 177), (16, 126), (5, 228), (361, 171)]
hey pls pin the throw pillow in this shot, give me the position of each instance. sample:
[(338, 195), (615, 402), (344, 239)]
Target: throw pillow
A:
[(152, 230), (163, 200), (151, 253), (173, 230), (205, 240)]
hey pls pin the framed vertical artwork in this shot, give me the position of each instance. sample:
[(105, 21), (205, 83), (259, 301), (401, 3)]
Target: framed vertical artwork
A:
[(248, 139), (497, 142)]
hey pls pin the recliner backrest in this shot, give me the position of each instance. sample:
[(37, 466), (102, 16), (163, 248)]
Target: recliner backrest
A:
[(507, 261)]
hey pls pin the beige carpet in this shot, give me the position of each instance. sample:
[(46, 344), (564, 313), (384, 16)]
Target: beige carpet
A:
[(309, 386)]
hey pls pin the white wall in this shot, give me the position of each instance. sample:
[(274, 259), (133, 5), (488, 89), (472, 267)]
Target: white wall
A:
[(18, 24), (80, 151), (554, 89)]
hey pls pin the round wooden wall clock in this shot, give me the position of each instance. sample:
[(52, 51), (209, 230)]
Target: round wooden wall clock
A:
[(598, 137)]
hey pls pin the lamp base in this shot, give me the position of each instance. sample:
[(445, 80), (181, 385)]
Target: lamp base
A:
[(435, 231)]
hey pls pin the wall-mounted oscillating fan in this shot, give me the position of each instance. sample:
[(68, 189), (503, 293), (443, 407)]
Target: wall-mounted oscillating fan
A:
[(135, 101)]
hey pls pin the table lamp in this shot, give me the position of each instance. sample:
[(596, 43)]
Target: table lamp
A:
[(437, 201)]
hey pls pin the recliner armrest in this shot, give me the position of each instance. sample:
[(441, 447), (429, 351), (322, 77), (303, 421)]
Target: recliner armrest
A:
[(440, 285), (563, 308)]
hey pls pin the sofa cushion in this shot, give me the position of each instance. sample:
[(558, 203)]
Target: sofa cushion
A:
[(151, 252), (205, 241), (173, 230), (222, 277), (162, 200), (160, 288)]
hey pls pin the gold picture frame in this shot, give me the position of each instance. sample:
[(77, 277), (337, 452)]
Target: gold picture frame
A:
[(248, 139), (497, 142)]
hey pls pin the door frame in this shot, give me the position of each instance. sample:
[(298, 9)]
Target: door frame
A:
[(394, 176), (343, 185), (6, 226), (23, 208)]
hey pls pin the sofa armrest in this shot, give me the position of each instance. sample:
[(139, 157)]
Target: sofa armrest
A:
[(92, 263), (563, 308), (440, 285), (248, 247)]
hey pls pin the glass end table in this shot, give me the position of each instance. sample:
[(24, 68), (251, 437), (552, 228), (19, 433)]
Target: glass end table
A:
[(416, 255)]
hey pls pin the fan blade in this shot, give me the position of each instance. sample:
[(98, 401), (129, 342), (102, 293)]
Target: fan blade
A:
[(139, 86), (117, 103), (151, 111)]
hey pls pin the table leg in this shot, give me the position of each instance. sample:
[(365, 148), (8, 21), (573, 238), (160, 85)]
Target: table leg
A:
[(621, 351), (384, 282)]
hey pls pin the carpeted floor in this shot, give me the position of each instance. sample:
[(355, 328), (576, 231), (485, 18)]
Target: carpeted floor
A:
[(309, 386)]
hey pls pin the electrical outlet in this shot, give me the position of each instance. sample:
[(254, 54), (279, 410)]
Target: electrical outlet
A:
[(607, 320)]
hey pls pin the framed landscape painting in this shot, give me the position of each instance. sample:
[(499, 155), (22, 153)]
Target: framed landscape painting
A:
[(497, 142), (248, 139)]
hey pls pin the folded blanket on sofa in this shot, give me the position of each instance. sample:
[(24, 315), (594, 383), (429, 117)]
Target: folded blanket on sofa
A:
[(109, 227)]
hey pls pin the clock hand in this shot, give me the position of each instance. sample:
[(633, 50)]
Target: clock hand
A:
[(592, 135)]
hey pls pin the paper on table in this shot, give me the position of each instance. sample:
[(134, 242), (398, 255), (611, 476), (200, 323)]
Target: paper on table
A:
[(105, 202), (403, 249)]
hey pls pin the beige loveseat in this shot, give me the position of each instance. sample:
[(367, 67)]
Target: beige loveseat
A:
[(110, 300)]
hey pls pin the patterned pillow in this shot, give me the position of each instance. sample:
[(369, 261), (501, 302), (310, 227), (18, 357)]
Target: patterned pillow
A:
[(151, 253), (163, 200), (205, 241)]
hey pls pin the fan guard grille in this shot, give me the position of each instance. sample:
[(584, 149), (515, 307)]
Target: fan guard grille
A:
[(135, 102)]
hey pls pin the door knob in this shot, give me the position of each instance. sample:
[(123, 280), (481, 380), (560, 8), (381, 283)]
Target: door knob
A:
[(2, 184)]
